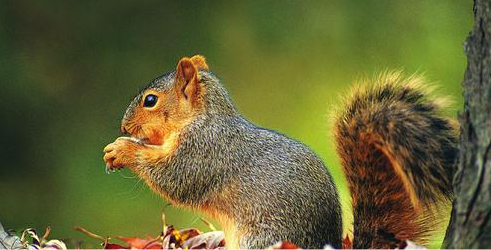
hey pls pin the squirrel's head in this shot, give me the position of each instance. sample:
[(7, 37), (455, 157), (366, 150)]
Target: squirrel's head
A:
[(167, 104)]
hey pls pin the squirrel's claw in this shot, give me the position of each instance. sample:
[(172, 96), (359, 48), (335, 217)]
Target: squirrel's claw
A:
[(108, 169)]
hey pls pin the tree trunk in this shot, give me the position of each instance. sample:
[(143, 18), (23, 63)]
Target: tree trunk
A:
[(470, 225)]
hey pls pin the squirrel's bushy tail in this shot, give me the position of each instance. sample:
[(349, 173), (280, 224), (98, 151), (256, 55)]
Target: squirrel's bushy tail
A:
[(398, 155)]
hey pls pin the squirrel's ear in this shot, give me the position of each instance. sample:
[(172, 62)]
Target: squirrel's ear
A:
[(200, 62), (186, 79)]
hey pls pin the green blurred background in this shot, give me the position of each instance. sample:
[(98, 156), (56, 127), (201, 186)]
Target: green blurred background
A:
[(69, 68)]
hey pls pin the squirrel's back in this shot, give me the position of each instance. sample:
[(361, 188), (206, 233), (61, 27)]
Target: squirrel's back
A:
[(305, 208), (398, 154)]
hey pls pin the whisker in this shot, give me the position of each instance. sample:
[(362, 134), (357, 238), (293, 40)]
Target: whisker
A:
[(127, 177), (132, 189), (140, 190)]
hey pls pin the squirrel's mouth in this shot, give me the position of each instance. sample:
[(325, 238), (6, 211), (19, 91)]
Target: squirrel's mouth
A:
[(140, 139), (139, 136), (134, 136), (149, 133), (143, 141)]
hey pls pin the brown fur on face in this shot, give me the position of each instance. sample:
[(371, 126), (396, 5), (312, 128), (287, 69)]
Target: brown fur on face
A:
[(174, 109)]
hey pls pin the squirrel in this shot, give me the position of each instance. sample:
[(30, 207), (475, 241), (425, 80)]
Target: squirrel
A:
[(184, 136)]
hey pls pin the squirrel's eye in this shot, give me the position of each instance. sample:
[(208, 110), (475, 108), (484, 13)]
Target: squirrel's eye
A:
[(150, 101)]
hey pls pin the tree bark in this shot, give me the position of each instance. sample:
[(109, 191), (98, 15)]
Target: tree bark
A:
[(470, 224)]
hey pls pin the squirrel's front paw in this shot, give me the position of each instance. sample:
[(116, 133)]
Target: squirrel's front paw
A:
[(121, 153)]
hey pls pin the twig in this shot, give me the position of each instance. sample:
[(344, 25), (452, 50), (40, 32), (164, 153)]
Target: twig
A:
[(93, 235), (164, 226), (209, 225), (46, 233), (151, 242)]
